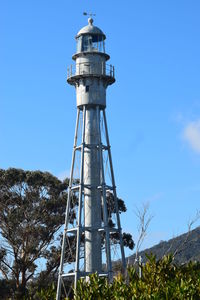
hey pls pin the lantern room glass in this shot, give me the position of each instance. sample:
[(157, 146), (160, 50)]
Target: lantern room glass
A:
[(90, 43)]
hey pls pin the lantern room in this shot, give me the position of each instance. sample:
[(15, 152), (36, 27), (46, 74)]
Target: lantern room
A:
[(90, 39)]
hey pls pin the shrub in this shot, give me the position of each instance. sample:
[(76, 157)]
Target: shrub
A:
[(161, 279)]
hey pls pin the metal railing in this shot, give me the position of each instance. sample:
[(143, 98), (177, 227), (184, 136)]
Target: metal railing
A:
[(87, 68)]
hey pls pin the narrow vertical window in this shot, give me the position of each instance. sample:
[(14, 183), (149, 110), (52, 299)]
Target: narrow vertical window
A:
[(87, 88)]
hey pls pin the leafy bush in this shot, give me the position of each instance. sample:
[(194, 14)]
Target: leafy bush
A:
[(160, 280), (46, 294)]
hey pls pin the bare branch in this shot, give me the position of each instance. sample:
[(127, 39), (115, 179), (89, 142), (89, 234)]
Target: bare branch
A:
[(190, 224), (144, 219), (4, 273), (7, 265)]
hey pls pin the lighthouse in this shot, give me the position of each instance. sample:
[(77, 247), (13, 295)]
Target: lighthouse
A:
[(90, 75)]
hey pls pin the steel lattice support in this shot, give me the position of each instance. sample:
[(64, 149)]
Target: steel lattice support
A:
[(91, 229), (81, 228)]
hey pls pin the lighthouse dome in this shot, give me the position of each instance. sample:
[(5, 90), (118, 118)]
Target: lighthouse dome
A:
[(91, 30)]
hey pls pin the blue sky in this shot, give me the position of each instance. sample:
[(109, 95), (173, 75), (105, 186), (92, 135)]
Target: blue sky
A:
[(153, 109)]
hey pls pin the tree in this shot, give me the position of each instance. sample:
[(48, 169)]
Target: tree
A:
[(32, 210), (31, 213)]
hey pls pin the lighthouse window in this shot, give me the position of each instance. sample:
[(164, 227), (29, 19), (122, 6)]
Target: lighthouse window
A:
[(87, 88), (79, 44), (87, 43), (95, 40)]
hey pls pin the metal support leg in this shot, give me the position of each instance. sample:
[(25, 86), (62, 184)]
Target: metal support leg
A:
[(104, 203), (67, 210), (114, 193), (79, 229)]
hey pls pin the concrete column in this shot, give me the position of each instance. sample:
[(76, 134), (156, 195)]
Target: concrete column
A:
[(93, 259)]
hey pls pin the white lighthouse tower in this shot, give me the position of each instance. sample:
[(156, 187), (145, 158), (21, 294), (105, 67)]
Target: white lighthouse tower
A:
[(91, 229)]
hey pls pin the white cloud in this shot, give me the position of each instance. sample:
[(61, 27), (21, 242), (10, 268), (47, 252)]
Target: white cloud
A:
[(191, 135)]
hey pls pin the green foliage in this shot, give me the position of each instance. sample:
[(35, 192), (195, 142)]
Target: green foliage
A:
[(160, 280), (32, 210), (46, 294)]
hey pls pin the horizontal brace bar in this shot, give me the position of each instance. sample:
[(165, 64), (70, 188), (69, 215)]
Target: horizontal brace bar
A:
[(105, 147), (75, 187), (87, 228), (107, 187), (89, 186), (92, 146), (109, 229), (67, 274), (83, 274), (72, 230), (103, 274), (86, 186), (78, 148)]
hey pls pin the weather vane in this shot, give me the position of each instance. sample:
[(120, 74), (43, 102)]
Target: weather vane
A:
[(89, 14)]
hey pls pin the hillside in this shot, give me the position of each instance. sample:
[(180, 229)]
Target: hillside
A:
[(186, 246)]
